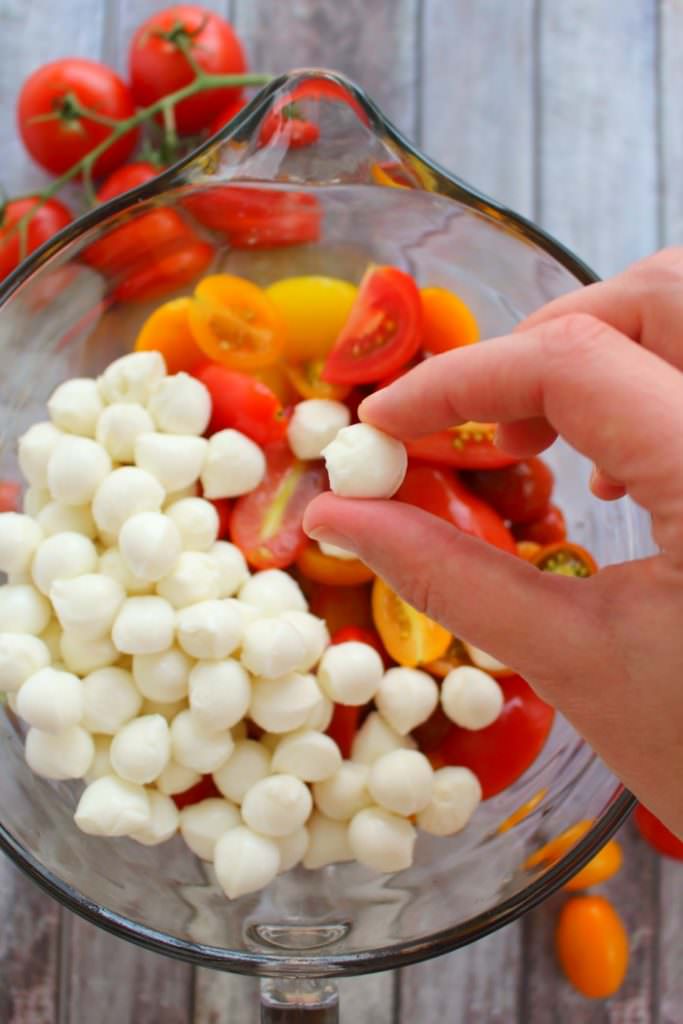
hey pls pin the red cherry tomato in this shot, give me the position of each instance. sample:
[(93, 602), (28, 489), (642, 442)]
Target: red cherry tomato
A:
[(440, 492), (243, 403), (499, 754), (548, 529), (320, 89), (201, 790), (50, 218), (431, 734), (9, 496), (125, 178), (267, 523), (382, 332), (257, 218), (520, 493), (362, 636), (657, 834), (285, 125), (59, 141), (227, 114), (343, 727), (467, 446), (224, 508), (158, 65)]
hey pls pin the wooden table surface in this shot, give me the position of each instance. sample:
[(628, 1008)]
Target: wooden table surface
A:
[(571, 111)]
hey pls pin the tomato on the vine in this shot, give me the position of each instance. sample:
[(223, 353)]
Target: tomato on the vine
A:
[(123, 179), (242, 403), (50, 218), (547, 529), (226, 115), (468, 446), (257, 218), (657, 834), (520, 493)]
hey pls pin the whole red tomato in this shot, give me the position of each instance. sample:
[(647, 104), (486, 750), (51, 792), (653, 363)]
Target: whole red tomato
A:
[(47, 221), (64, 138), (158, 65), (226, 115), (125, 178)]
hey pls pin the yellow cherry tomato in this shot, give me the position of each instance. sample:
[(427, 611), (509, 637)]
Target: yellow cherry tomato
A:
[(336, 572), (446, 321), (235, 323), (522, 812), (306, 379), (410, 637), (314, 309), (277, 379), (604, 865), (592, 946), (167, 330)]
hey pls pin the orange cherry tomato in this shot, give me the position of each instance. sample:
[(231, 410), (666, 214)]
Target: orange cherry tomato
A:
[(308, 383), (555, 849), (167, 330), (528, 549), (337, 572), (592, 946), (339, 606), (235, 323), (410, 637), (657, 834), (565, 559), (446, 321), (522, 812), (604, 865)]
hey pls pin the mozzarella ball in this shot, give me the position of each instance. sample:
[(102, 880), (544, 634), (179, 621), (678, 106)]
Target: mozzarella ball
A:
[(482, 660), (195, 577), (307, 754), (350, 673), (247, 765), (75, 406), (101, 762), (381, 840), (314, 424), (234, 465), (62, 556), (76, 469), (132, 378), (232, 567), (328, 842), (220, 693), (195, 747), (180, 405), (277, 806), (23, 609), (292, 849), (345, 793), (406, 697), (124, 493), (141, 749), (55, 517), (363, 462), (51, 700), (21, 655), (150, 545), (320, 716), (176, 778), (164, 676), (246, 612), (167, 709), (272, 648), (35, 450), (273, 591), (20, 536), (112, 564), (82, 654), (144, 625), (35, 499), (401, 781), (334, 551), (245, 862), (191, 491), (119, 426), (281, 705), (376, 738), (203, 824), (59, 756), (162, 824), (314, 633), (209, 630), (110, 700), (471, 698), (88, 603), (456, 794), (175, 460), (196, 521), (110, 806)]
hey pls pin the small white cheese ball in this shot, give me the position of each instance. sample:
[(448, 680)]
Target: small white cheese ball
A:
[(292, 849), (76, 469), (144, 625), (132, 378), (20, 536), (277, 806), (203, 824), (247, 765), (334, 551), (124, 493), (61, 557), (141, 749), (234, 465), (273, 591), (163, 677), (112, 564), (180, 405), (176, 460), (55, 517), (482, 660), (320, 716), (52, 638), (150, 545), (119, 426), (471, 698), (282, 705), (246, 612), (314, 424), (51, 700), (363, 462), (194, 747), (196, 521), (23, 609), (35, 499), (209, 629), (232, 566), (345, 793), (220, 693), (75, 406), (315, 635), (406, 697), (162, 824), (63, 755), (376, 738), (110, 700), (245, 862), (271, 648), (167, 710), (35, 450), (350, 673), (381, 840), (176, 778), (195, 577), (110, 806), (101, 762), (191, 491), (88, 603), (82, 654), (20, 656), (455, 797), (328, 842), (307, 754), (401, 781)]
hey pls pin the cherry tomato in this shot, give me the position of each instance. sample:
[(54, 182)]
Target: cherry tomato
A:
[(257, 218), (267, 522), (555, 848), (308, 383), (50, 218), (336, 572), (592, 946), (499, 754), (566, 559), (528, 549), (520, 493), (343, 727), (242, 403), (277, 379), (226, 115), (446, 321), (10, 493), (123, 179), (391, 174), (339, 606), (167, 330), (60, 140), (187, 260), (362, 636), (158, 65), (467, 446), (410, 637), (382, 332), (315, 90), (657, 834), (455, 656), (314, 310), (440, 492), (202, 790), (224, 508), (547, 529), (235, 323), (603, 865), (430, 735), (286, 125), (522, 812)]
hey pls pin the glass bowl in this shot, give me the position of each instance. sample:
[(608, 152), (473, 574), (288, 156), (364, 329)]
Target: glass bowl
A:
[(359, 194)]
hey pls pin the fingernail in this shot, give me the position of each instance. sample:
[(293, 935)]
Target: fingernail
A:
[(327, 536)]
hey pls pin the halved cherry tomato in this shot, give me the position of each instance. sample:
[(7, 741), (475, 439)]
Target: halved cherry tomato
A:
[(555, 849), (224, 508), (446, 321), (201, 790), (267, 522), (410, 637), (307, 380), (440, 492), (382, 332), (277, 379), (343, 727), (167, 330), (337, 572), (235, 323), (362, 636), (603, 865), (314, 310), (566, 559), (548, 529), (339, 606), (592, 946), (657, 834), (455, 656), (520, 493), (499, 754), (467, 446), (317, 89), (10, 493), (257, 218), (123, 179), (286, 125), (522, 812), (242, 403), (170, 271), (528, 549)]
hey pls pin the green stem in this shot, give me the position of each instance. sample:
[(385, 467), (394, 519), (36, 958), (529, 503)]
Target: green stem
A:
[(170, 132)]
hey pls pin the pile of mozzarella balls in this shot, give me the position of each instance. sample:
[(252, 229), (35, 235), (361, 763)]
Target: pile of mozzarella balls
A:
[(141, 652)]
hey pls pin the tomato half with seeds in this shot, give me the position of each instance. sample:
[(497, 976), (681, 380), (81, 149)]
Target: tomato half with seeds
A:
[(657, 834), (167, 330), (520, 493), (307, 380), (547, 529), (267, 523), (410, 637), (565, 559), (257, 218), (467, 446), (382, 332), (243, 403), (235, 323), (337, 572)]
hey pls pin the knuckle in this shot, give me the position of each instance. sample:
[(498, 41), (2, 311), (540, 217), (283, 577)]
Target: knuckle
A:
[(572, 335)]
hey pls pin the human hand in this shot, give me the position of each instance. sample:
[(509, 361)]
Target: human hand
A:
[(602, 367)]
